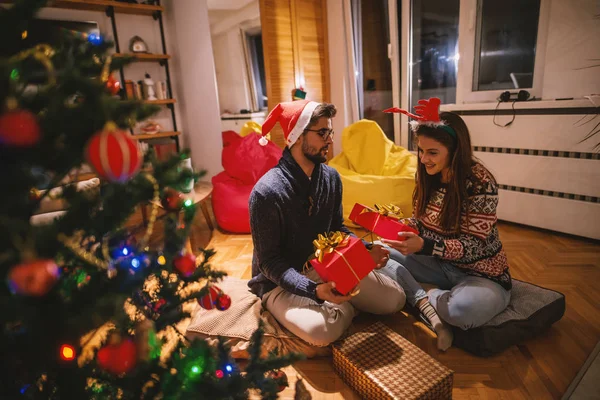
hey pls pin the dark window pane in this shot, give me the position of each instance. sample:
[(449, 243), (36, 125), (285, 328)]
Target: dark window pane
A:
[(376, 66), (434, 57), (505, 44)]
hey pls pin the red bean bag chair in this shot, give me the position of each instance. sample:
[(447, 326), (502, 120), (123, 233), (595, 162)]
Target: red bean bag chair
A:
[(244, 161)]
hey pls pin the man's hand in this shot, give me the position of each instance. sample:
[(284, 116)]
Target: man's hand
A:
[(412, 244), (380, 255), (325, 292)]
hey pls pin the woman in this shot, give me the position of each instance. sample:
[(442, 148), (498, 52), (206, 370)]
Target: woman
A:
[(458, 248)]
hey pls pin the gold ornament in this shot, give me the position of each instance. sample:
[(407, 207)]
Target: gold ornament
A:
[(42, 53)]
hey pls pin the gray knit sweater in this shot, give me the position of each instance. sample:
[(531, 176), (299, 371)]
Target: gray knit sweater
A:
[(287, 211)]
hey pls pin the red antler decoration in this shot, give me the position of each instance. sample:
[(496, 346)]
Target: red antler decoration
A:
[(426, 111)]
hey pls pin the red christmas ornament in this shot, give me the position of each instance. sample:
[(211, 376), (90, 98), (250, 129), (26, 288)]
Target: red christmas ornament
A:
[(209, 300), (114, 154), (118, 358), (185, 264), (19, 128), (280, 378), (113, 85), (172, 200), (223, 302), (34, 278)]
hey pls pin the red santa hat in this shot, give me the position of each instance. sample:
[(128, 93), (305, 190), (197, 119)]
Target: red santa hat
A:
[(293, 117)]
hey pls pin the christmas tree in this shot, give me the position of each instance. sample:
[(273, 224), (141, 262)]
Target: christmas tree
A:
[(91, 308)]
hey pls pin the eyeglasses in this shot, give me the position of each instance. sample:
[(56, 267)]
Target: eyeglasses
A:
[(324, 133)]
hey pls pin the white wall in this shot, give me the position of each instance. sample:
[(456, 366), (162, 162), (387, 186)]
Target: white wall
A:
[(230, 62), (193, 62), (340, 69), (573, 42)]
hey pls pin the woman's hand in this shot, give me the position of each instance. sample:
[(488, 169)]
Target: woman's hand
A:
[(380, 255), (413, 243)]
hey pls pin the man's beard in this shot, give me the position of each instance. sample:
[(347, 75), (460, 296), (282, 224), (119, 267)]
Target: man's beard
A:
[(315, 158)]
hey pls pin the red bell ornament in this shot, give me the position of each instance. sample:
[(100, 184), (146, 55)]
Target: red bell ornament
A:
[(119, 358), (223, 302), (113, 85), (172, 200), (19, 128), (34, 278), (114, 154), (209, 300), (185, 264)]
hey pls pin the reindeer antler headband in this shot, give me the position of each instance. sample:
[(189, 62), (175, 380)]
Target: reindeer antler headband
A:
[(426, 113)]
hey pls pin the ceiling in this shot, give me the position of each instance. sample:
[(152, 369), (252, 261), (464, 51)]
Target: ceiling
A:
[(227, 4)]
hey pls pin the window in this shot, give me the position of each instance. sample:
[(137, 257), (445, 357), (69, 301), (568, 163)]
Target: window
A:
[(501, 46), (505, 44), (468, 51), (253, 49), (373, 67), (434, 55)]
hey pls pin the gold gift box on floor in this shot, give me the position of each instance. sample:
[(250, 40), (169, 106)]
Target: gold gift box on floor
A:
[(379, 364)]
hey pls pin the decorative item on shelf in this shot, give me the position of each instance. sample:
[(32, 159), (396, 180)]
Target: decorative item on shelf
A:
[(188, 185), (149, 93), (298, 93), (129, 89), (161, 90), (137, 45), (137, 90), (150, 127)]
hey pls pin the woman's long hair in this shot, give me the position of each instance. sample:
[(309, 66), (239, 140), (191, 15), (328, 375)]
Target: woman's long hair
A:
[(461, 161)]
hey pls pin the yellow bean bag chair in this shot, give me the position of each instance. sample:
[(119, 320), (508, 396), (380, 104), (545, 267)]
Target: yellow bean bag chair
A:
[(251, 127), (374, 169)]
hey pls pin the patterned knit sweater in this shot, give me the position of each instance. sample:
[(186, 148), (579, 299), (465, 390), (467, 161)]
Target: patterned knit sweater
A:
[(477, 249)]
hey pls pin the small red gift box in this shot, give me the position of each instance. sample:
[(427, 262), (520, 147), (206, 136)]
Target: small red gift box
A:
[(383, 225), (342, 259)]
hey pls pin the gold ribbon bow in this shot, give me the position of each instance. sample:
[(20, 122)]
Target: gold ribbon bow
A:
[(326, 244), (42, 53), (389, 210)]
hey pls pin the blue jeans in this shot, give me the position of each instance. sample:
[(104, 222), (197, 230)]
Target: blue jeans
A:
[(462, 300)]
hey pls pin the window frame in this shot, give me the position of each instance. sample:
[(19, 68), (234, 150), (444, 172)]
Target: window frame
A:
[(467, 30)]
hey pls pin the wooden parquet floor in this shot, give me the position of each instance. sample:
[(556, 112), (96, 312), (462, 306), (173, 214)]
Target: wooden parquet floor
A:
[(541, 368)]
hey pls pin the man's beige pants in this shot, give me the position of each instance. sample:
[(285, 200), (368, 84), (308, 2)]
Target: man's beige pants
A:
[(322, 324)]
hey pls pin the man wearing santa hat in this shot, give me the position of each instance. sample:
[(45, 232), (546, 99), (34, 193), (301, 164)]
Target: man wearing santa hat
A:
[(290, 205)]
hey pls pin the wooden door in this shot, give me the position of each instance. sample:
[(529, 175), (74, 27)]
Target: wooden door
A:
[(294, 34)]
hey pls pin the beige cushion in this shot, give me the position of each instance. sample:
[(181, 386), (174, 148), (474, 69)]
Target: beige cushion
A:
[(241, 320), (54, 202), (46, 218)]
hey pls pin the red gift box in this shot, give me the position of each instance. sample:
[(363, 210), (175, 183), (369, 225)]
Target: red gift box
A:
[(346, 262), (383, 225)]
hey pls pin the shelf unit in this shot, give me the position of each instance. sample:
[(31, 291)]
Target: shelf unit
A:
[(111, 8), (140, 57), (155, 135)]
